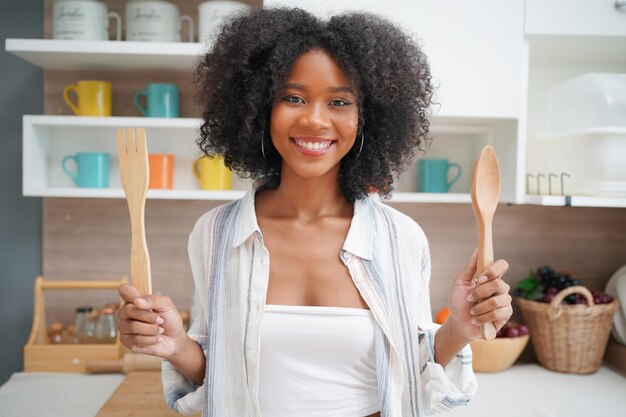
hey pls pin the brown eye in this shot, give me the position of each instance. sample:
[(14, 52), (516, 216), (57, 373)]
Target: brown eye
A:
[(293, 99), (340, 103)]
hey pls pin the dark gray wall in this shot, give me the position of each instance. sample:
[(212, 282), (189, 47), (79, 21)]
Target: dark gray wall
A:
[(21, 92)]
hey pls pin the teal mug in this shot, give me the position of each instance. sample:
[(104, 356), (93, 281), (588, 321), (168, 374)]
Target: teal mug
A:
[(161, 100), (433, 175), (92, 169)]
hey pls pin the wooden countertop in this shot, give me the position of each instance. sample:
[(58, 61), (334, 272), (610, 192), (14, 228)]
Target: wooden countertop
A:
[(139, 395)]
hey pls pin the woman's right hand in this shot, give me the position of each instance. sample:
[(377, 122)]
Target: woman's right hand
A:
[(149, 324)]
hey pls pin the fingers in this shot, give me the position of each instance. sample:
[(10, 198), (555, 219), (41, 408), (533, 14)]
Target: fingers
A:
[(495, 270), (131, 341), (128, 293), (138, 324), (139, 327), (130, 312), (500, 316), (157, 303), (149, 302), (490, 304), (486, 290)]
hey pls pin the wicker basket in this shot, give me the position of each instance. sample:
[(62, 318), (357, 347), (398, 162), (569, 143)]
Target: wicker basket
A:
[(569, 338)]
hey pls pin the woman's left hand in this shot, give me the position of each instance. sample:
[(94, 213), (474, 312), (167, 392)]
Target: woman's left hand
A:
[(473, 305)]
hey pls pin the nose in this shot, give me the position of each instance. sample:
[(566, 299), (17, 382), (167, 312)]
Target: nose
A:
[(315, 116)]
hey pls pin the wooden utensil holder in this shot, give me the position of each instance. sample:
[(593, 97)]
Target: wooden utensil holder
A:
[(41, 356)]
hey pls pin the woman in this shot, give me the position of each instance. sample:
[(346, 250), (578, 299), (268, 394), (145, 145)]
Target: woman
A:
[(311, 298)]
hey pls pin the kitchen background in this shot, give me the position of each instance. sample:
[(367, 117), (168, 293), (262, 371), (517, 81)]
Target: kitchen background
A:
[(88, 238)]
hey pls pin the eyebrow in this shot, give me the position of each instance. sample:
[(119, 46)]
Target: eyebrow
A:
[(339, 89)]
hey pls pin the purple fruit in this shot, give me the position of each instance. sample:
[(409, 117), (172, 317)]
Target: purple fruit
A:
[(523, 329), (581, 300), (547, 297), (501, 332), (512, 332)]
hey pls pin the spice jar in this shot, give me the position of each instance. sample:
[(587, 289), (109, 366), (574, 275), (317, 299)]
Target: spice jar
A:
[(106, 330), (56, 333), (83, 326)]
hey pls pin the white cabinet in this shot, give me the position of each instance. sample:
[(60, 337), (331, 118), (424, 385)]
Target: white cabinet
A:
[(565, 39), (576, 17)]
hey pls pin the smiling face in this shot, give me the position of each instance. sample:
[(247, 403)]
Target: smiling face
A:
[(314, 118)]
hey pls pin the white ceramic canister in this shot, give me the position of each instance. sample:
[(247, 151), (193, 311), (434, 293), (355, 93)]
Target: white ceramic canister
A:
[(212, 13), (155, 21), (86, 20)]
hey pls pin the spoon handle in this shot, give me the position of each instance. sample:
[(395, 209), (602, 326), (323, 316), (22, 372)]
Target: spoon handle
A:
[(484, 260)]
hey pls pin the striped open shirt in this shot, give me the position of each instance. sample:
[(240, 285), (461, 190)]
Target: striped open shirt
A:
[(387, 256)]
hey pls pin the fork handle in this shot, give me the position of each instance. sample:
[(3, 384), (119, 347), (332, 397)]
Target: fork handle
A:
[(140, 276)]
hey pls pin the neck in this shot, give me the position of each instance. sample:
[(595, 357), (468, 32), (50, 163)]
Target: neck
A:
[(308, 199)]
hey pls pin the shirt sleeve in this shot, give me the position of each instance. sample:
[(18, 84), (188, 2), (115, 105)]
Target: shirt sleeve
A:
[(443, 388), (181, 394)]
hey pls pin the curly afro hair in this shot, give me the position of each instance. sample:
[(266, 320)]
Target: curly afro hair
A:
[(251, 59)]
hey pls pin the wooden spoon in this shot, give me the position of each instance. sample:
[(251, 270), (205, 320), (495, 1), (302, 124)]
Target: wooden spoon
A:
[(485, 193), (134, 174)]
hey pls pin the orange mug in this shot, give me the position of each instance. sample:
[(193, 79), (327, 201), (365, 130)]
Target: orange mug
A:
[(161, 171)]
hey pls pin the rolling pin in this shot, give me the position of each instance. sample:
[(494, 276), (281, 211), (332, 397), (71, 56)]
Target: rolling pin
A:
[(130, 362)]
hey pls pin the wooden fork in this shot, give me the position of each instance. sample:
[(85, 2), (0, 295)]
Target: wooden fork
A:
[(134, 173)]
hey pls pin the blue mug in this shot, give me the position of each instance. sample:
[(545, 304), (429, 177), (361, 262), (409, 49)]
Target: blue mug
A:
[(433, 175), (161, 100), (92, 169)]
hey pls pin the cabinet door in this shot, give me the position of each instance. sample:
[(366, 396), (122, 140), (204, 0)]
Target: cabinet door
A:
[(475, 49), (575, 17)]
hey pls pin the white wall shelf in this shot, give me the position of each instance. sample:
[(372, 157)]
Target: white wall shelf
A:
[(50, 54), (454, 198), (73, 192), (575, 201), (47, 139)]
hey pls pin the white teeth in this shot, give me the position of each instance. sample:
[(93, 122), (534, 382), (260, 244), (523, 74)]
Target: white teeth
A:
[(314, 146)]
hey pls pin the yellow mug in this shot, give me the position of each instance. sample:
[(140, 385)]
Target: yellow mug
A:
[(94, 98), (212, 173)]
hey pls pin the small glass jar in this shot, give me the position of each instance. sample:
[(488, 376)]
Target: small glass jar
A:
[(106, 330), (56, 333), (83, 326)]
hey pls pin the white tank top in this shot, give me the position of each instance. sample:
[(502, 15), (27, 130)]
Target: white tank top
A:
[(317, 362)]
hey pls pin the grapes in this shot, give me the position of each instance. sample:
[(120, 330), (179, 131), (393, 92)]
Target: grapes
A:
[(523, 329), (601, 298), (544, 283), (512, 332), (580, 299), (512, 329)]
